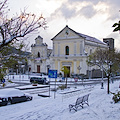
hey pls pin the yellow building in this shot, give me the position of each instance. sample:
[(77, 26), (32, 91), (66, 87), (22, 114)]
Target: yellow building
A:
[(71, 49)]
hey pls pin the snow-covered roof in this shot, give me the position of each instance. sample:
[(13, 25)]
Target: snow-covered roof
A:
[(87, 37), (39, 37), (92, 39)]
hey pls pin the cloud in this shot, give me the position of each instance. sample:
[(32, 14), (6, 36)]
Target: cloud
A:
[(113, 10), (68, 10), (114, 7), (88, 11), (90, 1), (65, 11)]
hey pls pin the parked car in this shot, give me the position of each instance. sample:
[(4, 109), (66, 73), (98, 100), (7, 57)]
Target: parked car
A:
[(11, 96), (39, 80)]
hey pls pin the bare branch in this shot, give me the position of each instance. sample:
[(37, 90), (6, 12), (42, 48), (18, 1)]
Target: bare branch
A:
[(103, 58), (2, 4), (19, 27)]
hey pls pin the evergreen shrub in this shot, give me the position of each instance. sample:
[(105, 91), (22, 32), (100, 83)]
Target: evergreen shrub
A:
[(116, 97)]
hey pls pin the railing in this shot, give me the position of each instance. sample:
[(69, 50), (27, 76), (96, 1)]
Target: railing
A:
[(75, 92)]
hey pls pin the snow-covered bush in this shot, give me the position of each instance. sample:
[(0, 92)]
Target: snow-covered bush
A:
[(116, 96), (62, 87)]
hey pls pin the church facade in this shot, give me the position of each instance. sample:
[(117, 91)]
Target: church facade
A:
[(70, 49), (40, 60)]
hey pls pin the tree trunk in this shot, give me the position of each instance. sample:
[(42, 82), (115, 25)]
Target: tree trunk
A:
[(66, 82), (108, 84)]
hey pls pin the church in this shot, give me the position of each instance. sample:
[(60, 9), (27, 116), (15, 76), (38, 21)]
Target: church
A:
[(70, 49)]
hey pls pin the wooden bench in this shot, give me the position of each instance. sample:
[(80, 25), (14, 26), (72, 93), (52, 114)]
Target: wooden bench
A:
[(79, 102)]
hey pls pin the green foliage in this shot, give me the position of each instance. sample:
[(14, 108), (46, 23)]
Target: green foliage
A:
[(117, 26), (2, 72), (3, 84), (35, 82), (116, 96), (10, 81), (10, 56), (66, 72), (62, 87)]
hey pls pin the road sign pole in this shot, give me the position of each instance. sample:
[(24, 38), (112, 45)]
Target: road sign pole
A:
[(55, 90), (49, 87), (53, 74)]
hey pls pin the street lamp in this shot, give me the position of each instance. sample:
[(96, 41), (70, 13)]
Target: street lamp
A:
[(79, 68), (48, 67), (102, 79), (109, 75)]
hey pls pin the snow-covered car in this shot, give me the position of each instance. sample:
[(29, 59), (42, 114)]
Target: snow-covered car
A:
[(39, 80), (11, 96)]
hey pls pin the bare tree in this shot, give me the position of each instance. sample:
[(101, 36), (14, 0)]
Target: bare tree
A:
[(106, 60), (101, 58), (11, 30), (18, 26)]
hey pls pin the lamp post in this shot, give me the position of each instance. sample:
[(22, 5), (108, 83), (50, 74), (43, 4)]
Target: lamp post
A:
[(48, 67), (79, 68), (28, 67), (102, 79), (109, 75)]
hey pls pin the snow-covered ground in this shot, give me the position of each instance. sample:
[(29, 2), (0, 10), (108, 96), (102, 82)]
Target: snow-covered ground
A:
[(101, 106)]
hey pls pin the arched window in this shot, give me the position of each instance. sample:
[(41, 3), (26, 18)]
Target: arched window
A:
[(66, 50), (38, 54)]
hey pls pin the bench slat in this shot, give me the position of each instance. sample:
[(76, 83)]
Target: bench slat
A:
[(79, 102), (85, 99)]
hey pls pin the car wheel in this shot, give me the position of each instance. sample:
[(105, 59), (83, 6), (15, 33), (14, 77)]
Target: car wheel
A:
[(9, 102), (29, 98)]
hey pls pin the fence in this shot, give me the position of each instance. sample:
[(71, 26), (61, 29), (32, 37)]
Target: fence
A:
[(75, 92)]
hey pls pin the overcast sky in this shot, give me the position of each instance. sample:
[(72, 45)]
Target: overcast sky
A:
[(90, 17)]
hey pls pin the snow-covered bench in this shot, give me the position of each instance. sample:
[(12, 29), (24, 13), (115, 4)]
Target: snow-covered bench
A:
[(79, 102)]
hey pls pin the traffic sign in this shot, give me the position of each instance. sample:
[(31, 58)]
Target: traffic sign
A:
[(76, 79), (52, 73), (3, 80)]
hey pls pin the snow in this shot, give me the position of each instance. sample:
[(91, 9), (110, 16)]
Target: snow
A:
[(11, 92), (55, 107)]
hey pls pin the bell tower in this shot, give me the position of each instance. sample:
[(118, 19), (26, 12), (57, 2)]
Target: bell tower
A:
[(110, 42), (39, 40)]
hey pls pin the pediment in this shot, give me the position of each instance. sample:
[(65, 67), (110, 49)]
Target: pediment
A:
[(67, 33)]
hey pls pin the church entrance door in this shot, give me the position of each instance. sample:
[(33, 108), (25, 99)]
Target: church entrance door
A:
[(38, 68)]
